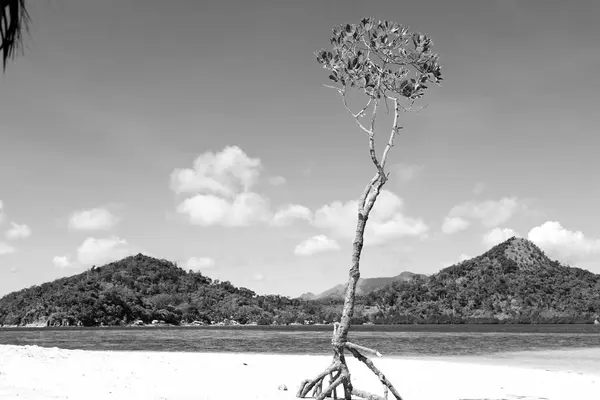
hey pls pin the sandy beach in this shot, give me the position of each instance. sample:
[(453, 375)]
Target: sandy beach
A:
[(31, 372)]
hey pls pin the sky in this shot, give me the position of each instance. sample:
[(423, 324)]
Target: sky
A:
[(202, 134)]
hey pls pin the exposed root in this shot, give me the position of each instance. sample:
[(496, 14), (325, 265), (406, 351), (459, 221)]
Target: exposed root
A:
[(340, 375), (348, 390), (309, 384), (384, 381), (318, 388), (366, 395), (331, 380), (331, 387)]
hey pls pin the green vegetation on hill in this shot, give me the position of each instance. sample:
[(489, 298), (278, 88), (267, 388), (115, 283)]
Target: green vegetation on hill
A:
[(146, 289), (513, 282)]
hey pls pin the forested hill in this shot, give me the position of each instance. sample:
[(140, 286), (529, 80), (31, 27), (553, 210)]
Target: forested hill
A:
[(141, 288), (514, 282)]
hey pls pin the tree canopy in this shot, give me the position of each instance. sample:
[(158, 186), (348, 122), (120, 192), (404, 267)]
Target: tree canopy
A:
[(14, 20)]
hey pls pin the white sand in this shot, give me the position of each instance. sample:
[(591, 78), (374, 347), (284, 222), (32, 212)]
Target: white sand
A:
[(31, 372)]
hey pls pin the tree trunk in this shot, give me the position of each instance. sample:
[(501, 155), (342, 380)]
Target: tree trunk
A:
[(354, 275), (338, 370)]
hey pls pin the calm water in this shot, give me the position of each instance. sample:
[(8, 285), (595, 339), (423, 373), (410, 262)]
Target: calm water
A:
[(403, 340)]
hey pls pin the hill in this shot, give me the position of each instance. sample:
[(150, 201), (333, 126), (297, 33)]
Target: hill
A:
[(144, 289), (363, 286), (514, 282)]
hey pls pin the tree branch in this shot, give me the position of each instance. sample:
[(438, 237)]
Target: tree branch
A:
[(376, 189), (357, 115), (365, 195), (350, 345), (379, 167), (374, 116), (331, 87), (395, 131)]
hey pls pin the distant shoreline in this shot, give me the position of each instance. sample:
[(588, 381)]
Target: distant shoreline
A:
[(256, 326)]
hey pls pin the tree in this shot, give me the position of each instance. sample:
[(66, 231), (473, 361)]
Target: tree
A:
[(14, 20), (379, 59)]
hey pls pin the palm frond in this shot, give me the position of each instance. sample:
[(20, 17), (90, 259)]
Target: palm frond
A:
[(14, 20)]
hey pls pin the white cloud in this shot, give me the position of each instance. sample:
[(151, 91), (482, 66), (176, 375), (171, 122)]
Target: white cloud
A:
[(316, 244), (385, 223), (198, 263), (102, 251), (568, 246), (61, 261), (338, 217), (453, 225), (209, 210), (1, 214), (221, 184), (258, 277), (491, 213), (288, 214), (6, 248), (406, 172), (18, 231), (479, 188), (94, 219), (224, 173), (497, 236), (277, 180)]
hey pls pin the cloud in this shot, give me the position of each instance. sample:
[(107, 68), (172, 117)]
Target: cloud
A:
[(6, 248), (18, 231), (406, 172), (102, 251), (490, 213), (386, 221), (221, 183), (61, 261), (497, 236), (288, 214), (277, 180), (94, 219), (479, 188), (218, 190), (453, 225), (258, 277), (225, 173), (1, 213), (568, 246), (198, 263), (210, 210), (316, 244)]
